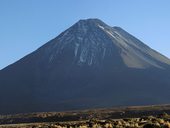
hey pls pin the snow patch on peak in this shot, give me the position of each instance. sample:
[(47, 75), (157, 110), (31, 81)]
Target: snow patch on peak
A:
[(51, 58), (111, 34), (101, 27), (76, 49), (83, 55), (80, 38), (116, 36)]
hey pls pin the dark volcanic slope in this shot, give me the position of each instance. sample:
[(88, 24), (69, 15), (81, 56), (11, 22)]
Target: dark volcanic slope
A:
[(89, 65)]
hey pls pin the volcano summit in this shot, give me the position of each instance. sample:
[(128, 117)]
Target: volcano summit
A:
[(89, 65)]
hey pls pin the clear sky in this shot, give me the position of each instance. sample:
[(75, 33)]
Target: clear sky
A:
[(27, 24)]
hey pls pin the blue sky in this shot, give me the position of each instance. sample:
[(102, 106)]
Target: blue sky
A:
[(27, 24)]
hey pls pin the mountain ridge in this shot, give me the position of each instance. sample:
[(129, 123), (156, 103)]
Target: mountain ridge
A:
[(97, 22)]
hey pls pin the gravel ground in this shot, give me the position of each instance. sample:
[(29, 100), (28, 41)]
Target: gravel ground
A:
[(161, 121)]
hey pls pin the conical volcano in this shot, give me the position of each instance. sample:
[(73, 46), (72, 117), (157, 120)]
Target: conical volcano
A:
[(89, 65)]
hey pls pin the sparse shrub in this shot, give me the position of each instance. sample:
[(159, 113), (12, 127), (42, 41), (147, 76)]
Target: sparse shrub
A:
[(150, 126)]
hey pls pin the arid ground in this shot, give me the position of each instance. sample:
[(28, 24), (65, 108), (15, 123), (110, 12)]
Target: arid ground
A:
[(120, 117)]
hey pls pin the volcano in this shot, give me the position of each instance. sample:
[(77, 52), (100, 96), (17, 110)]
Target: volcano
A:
[(89, 65)]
